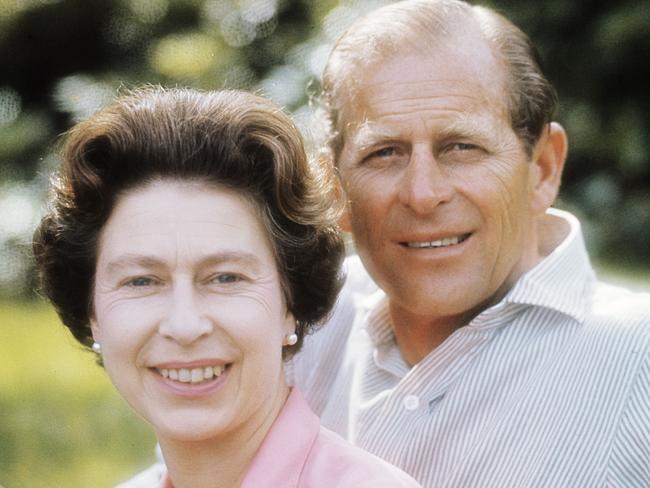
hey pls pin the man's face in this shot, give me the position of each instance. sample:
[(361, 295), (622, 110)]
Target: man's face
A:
[(438, 184)]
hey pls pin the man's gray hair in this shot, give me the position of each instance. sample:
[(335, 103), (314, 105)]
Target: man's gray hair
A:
[(417, 26)]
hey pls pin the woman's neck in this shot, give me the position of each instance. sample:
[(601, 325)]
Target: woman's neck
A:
[(223, 459)]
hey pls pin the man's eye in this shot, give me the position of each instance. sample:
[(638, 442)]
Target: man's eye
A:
[(384, 152), (462, 146), (384, 157)]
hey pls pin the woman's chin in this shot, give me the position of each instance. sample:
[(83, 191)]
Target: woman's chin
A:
[(196, 428), (186, 433)]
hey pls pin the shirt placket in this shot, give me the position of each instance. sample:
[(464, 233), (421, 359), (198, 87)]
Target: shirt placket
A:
[(416, 396)]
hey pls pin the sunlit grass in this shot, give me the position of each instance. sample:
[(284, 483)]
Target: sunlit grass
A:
[(61, 422)]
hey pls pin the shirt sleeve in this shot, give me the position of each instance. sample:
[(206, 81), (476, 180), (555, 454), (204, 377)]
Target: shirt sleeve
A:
[(630, 459)]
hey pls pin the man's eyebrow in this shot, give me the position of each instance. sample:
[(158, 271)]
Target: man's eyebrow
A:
[(147, 261), (370, 133)]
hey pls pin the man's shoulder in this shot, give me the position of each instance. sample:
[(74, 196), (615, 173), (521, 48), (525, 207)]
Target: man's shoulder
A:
[(620, 318), (624, 308)]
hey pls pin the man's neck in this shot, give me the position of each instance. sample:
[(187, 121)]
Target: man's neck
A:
[(417, 336)]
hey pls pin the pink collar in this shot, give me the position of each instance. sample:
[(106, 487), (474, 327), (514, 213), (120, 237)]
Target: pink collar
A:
[(284, 452), (285, 449)]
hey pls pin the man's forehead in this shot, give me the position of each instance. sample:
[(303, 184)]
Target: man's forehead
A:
[(366, 132)]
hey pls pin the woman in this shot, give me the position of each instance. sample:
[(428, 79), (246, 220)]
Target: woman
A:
[(192, 247)]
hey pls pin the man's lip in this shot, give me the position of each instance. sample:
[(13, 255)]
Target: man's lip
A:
[(199, 363), (405, 240)]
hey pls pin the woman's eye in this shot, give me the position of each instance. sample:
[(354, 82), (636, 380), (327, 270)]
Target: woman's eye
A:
[(225, 278), (140, 281)]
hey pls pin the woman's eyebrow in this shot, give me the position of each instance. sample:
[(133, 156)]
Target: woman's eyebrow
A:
[(247, 259), (148, 261), (133, 260)]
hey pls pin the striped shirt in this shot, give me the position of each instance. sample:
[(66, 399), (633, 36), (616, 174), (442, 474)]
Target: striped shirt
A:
[(548, 388)]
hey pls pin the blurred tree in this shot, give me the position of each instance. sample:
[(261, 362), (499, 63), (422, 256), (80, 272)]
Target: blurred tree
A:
[(62, 59)]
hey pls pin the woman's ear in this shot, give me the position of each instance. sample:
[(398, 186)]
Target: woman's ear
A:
[(94, 330), (547, 163), (289, 323)]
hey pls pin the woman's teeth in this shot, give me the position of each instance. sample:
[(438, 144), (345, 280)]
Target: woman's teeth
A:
[(194, 375)]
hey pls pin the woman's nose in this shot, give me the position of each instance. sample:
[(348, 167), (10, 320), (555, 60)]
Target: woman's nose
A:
[(184, 321)]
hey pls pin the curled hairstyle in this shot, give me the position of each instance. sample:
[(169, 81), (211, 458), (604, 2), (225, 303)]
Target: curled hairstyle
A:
[(419, 26), (231, 139)]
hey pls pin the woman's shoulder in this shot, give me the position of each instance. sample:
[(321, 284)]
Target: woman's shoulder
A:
[(335, 462), (149, 478)]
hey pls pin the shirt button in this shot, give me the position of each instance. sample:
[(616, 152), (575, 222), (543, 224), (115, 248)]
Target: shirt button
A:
[(411, 402)]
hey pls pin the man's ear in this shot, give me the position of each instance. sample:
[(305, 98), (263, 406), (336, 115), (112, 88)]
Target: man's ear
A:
[(547, 166), (345, 222)]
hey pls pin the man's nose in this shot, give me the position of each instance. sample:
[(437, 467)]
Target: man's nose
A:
[(425, 184), (184, 322)]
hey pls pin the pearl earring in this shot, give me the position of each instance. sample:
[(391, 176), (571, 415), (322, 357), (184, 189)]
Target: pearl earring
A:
[(97, 347), (290, 339)]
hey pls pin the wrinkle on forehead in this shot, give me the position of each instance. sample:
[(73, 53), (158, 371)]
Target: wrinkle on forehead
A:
[(369, 127)]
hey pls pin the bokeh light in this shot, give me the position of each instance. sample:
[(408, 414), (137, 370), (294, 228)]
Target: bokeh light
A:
[(10, 105), (190, 55), (81, 95)]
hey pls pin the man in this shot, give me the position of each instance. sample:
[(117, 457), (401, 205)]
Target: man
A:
[(491, 356)]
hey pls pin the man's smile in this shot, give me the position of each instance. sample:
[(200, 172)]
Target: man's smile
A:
[(445, 242)]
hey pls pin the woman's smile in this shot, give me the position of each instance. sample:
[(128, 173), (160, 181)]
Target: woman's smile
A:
[(192, 382)]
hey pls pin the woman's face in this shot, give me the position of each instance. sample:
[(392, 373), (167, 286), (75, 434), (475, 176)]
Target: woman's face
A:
[(189, 310)]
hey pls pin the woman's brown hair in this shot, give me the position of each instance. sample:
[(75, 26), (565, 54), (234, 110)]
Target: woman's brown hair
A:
[(226, 138)]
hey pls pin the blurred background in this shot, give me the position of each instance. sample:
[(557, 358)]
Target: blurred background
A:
[(61, 424)]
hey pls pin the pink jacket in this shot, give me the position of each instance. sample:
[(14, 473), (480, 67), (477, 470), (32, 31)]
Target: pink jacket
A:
[(299, 453)]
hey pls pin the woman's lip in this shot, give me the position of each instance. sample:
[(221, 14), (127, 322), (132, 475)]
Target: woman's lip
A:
[(199, 363), (191, 389)]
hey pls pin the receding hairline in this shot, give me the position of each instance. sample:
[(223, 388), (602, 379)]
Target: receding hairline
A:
[(416, 26), (347, 97)]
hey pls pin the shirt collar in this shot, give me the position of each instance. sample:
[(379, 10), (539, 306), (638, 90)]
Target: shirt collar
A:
[(559, 281)]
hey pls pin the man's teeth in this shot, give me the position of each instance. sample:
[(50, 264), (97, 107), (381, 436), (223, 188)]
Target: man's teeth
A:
[(194, 375), (447, 241)]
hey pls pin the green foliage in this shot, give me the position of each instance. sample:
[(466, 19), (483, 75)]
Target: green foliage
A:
[(63, 59), (61, 422)]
